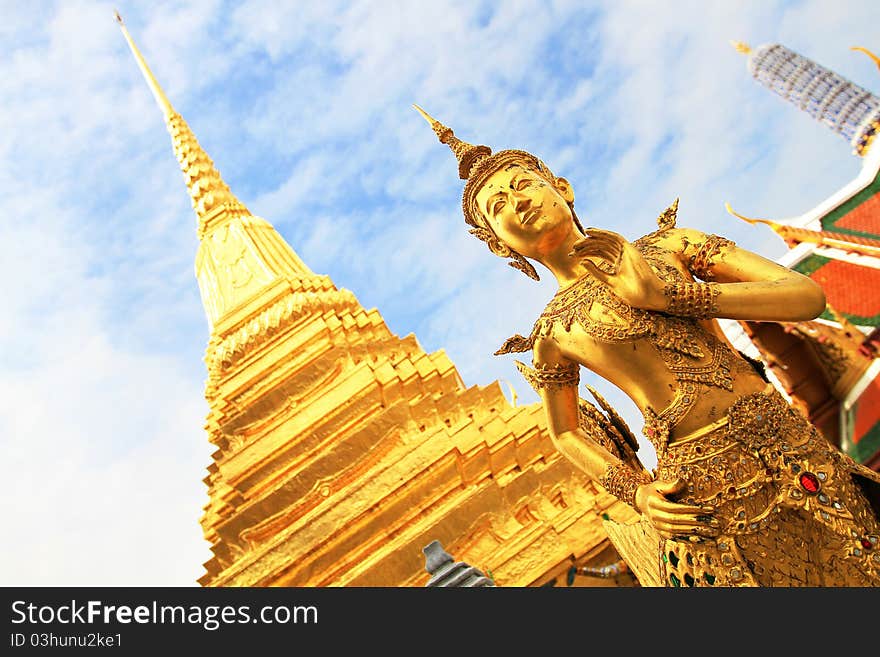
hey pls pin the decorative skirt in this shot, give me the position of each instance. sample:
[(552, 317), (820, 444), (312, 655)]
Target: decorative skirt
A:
[(794, 510)]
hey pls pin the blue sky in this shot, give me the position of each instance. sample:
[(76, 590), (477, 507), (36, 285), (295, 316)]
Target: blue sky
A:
[(306, 110)]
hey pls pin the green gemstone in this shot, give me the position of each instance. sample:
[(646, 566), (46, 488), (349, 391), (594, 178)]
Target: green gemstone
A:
[(688, 579), (675, 581), (710, 579), (665, 558), (673, 559)]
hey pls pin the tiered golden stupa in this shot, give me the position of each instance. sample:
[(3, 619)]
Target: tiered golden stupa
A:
[(342, 449)]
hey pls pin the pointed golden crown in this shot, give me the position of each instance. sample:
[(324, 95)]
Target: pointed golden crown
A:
[(476, 164), (468, 155)]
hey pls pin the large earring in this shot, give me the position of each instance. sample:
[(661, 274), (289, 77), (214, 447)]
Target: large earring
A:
[(504, 251), (523, 265)]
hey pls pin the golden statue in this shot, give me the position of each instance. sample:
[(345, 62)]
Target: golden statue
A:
[(746, 491)]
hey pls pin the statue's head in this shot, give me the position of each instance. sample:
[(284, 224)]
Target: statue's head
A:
[(511, 200)]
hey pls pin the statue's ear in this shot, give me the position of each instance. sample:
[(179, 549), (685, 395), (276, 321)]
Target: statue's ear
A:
[(498, 247), (565, 190), (495, 245)]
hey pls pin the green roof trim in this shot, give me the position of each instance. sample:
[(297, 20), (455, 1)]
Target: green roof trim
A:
[(830, 219), (858, 320), (867, 446), (810, 264)]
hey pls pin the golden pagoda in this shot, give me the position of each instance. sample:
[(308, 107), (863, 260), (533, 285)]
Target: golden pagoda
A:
[(342, 449)]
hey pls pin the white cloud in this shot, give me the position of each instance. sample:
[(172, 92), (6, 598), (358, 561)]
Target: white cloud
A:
[(101, 452)]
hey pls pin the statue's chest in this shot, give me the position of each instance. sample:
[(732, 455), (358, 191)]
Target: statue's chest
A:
[(594, 308)]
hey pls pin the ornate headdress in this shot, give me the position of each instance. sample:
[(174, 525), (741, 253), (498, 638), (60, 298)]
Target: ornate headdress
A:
[(476, 164)]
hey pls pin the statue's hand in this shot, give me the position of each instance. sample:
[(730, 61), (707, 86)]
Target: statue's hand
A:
[(621, 267), (672, 519)]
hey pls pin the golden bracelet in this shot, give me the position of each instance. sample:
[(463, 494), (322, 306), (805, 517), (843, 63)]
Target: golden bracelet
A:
[(692, 299), (623, 482), (702, 261)]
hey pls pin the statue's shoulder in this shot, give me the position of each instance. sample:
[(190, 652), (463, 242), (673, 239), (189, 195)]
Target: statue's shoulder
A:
[(542, 330), (519, 343)]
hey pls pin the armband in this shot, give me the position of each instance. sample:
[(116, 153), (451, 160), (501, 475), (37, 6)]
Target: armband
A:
[(552, 376), (622, 482), (701, 262)]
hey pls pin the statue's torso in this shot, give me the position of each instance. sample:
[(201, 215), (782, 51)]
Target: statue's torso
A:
[(678, 369)]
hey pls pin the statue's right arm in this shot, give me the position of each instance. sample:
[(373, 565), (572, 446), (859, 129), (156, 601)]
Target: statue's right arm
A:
[(561, 408), (645, 496)]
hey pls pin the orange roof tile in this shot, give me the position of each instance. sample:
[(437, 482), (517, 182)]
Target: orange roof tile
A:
[(864, 218), (850, 288)]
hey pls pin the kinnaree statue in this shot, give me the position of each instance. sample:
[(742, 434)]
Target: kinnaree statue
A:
[(746, 492)]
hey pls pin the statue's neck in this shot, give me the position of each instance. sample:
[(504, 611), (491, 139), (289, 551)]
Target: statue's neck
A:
[(565, 268)]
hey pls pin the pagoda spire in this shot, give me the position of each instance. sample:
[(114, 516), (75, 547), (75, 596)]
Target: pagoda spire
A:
[(241, 258), (845, 107), (207, 189)]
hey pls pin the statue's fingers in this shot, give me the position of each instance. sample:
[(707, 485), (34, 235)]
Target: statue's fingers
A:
[(595, 271), (608, 234), (597, 241), (669, 530), (684, 527), (679, 509), (700, 525), (604, 252), (612, 238), (675, 519), (585, 249)]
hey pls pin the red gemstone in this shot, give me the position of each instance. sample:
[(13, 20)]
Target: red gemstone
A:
[(866, 543), (809, 482)]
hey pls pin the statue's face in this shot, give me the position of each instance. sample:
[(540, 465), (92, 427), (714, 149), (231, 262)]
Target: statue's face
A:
[(528, 213)]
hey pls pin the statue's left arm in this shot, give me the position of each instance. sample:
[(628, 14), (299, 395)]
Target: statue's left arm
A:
[(738, 284), (749, 286)]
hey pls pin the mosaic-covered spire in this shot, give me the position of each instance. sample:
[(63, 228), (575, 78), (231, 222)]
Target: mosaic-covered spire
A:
[(850, 110)]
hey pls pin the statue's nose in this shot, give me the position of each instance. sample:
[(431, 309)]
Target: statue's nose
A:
[(521, 204)]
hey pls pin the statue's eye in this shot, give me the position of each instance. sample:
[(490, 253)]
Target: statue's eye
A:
[(497, 206), (522, 183)]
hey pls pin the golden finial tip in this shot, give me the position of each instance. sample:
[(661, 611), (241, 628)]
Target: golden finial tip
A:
[(744, 48), (736, 214), (118, 17), (430, 119), (868, 53), (772, 224)]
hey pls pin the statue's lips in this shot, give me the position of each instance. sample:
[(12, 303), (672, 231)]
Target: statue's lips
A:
[(531, 215)]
